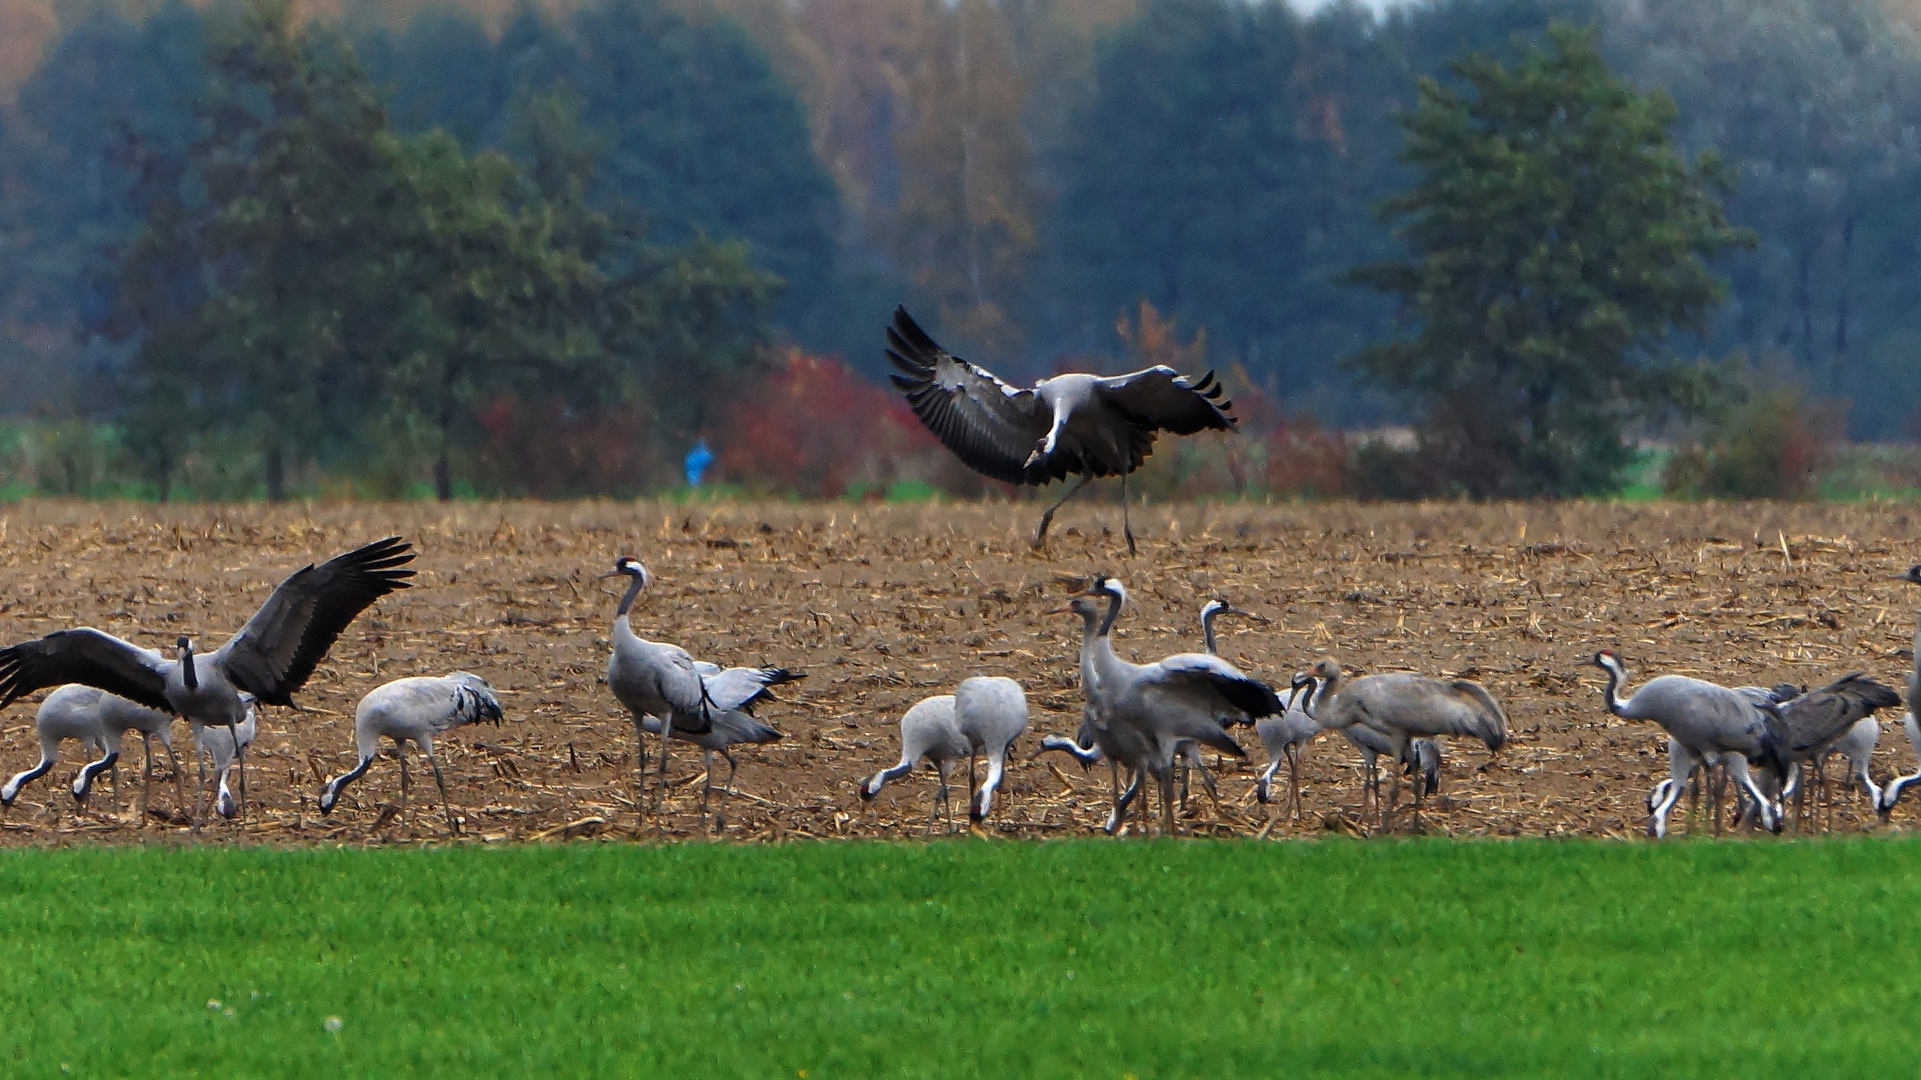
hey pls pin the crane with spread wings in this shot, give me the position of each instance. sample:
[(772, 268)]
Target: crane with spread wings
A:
[(1074, 424)]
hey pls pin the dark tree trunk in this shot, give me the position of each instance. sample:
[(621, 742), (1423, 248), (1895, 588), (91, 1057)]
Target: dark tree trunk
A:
[(443, 477), (276, 474)]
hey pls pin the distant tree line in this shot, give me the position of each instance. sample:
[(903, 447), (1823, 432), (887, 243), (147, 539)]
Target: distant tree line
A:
[(1021, 172)]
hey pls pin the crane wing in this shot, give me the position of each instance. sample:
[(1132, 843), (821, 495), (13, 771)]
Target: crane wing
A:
[(272, 656), (89, 657), (1160, 398), (1198, 670), (1821, 716), (989, 424), (742, 687)]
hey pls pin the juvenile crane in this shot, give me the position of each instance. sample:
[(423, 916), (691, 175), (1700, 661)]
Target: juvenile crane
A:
[(1714, 724), (1074, 424), (928, 731), (270, 658), (97, 719), (415, 710), (1400, 707)]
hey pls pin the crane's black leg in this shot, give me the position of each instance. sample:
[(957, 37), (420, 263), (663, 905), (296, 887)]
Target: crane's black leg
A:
[(660, 777), (146, 775), (1047, 515), (706, 782), (1293, 781), (1127, 527), (179, 793), (446, 805)]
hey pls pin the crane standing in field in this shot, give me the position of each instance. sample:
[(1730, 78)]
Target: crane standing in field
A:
[(1073, 424), (1182, 697), (415, 710), (1401, 707), (734, 692), (686, 697), (1714, 724), (269, 659)]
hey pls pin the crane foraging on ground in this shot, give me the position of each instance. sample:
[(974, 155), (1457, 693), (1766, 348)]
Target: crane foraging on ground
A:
[(415, 710), (928, 732), (97, 719), (1715, 724), (1400, 707), (270, 658), (1074, 424)]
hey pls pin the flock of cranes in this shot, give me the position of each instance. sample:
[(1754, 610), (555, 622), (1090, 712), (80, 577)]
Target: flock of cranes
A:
[(1149, 721)]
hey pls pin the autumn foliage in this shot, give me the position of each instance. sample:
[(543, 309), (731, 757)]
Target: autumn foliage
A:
[(813, 427)]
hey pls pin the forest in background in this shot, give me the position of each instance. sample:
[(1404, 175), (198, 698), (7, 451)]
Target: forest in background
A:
[(1036, 178)]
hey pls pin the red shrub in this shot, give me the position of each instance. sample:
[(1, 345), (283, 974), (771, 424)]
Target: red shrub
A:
[(814, 427)]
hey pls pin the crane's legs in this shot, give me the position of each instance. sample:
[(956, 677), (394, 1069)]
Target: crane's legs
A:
[(1047, 515), (660, 776), (1293, 782), (173, 762), (1165, 775), (1127, 528), (1122, 801), (446, 805), (707, 782), (146, 776), (640, 775)]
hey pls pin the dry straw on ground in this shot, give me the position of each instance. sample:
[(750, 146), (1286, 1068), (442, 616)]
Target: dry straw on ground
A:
[(885, 604)]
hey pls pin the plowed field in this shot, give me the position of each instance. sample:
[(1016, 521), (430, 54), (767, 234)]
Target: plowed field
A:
[(882, 605)]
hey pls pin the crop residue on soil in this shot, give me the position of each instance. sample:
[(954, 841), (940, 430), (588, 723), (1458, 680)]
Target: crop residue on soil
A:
[(883, 605)]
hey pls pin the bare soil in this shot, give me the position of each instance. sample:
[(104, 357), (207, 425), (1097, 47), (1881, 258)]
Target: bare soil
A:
[(883, 605)]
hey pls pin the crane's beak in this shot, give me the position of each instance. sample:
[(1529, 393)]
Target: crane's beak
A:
[(1062, 610)]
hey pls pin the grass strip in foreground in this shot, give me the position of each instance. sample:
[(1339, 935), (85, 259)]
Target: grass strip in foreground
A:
[(969, 958)]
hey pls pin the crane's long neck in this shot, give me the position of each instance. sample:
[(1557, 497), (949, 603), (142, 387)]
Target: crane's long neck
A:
[(1115, 601), (188, 677), (634, 585), (1207, 629), (1090, 678), (1616, 680)]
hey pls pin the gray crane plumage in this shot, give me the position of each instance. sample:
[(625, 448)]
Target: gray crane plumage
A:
[(415, 710), (1400, 707), (269, 659), (1181, 697), (1090, 425), (654, 679), (991, 712), (929, 731), (1714, 723), (99, 720)]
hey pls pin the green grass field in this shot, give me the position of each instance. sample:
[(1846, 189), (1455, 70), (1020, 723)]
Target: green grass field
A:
[(969, 958)]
